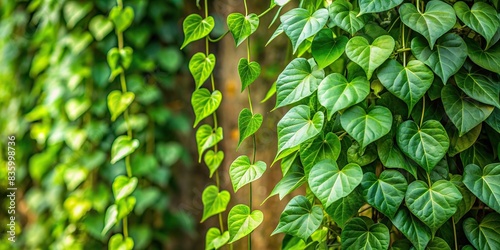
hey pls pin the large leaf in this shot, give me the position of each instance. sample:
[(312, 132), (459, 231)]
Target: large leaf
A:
[(437, 244), (123, 146), (369, 56), (297, 126), (329, 183), (479, 154), (213, 160), (214, 202), (446, 59), (386, 192), (299, 218), (426, 145), (464, 112), (242, 172), (468, 198), (343, 15), (297, 82), (433, 205), (123, 186), (488, 59), (416, 231), (242, 26), (392, 157), (345, 208), (118, 102), (366, 126), (248, 124), (322, 147), (299, 24), (195, 28), (241, 221), (461, 143), (482, 18), (407, 83), (206, 138), (205, 103), (484, 183), (201, 66), (362, 233), (438, 18), (248, 72), (214, 239), (484, 235), (372, 6), (336, 93), (480, 87), (326, 48)]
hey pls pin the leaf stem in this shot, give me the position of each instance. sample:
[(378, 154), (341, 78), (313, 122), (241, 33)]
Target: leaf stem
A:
[(429, 180), (423, 112), (266, 11), (246, 7), (403, 43), (454, 233), (250, 205), (218, 38)]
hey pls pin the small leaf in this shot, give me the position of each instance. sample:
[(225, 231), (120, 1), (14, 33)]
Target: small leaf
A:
[(214, 239), (369, 56), (362, 233), (484, 235), (205, 103), (343, 15), (122, 18), (248, 124), (373, 6), (116, 242), (214, 202), (366, 126), (483, 183), (196, 28), (322, 147), (326, 49), (110, 218), (213, 160), (123, 146), (488, 59), (123, 186), (416, 231), (242, 26), (248, 72), (345, 208), (206, 138), (242, 172), (201, 67), (100, 26), (479, 87), (125, 206), (299, 24), (118, 102), (481, 18), (242, 222), (437, 244), (392, 157)]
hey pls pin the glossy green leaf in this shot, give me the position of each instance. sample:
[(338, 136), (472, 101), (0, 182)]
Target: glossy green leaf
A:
[(214, 202), (125, 206), (459, 144), (123, 146), (386, 192), (322, 147), (213, 160), (205, 103), (361, 156), (196, 28), (110, 218), (292, 179), (299, 24), (241, 221), (299, 218), (346, 17), (411, 227), (484, 184), (480, 87), (426, 145), (336, 93), (329, 183), (118, 102), (248, 124), (242, 172), (201, 67), (481, 18), (123, 186), (488, 59), (100, 26), (438, 18), (248, 72), (494, 120), (121, 17), (484, 235), (214, 239), (369, 56), (206, 138), (437, 244), (326, 48), (366, 126), (363, 233), (345, 208), (407, 83), (373, 6), (479, 154), (446, 58), (468, 198), (392, 157), (242, 26), (116, 242)]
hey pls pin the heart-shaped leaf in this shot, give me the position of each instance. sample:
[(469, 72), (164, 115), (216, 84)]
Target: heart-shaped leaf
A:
[(461, 143), (433, 205), (248, 124), (345, 208), (118, 102), (416, 231), (297, 81), (248, 72), (110, 218), (446, 59), (123, 186), (438, 244), (196, 28), (386, 192), (392, 157), (326, 48), (213, 160), (366, 126), (488, 59), (242, 26), (299, 24), (481, 18), (484, 235), (214, 239), (362, 233), (206, 138), (329, 183), (201, 67), (343, 15), (242, 172), (297, 126), (468, 198), (100, 26), (122, 18), (407, 83), (483, 183), (123, 146), (479, 154), (125, 207), (426, 145), (438, 18), (214, 202), (336, 93), (205, 103), (464, 112), (116, 242), (113, 58), (126, 57), (479, 87), (293, 179), (75, 107), (322, 147), (242, 222), (369, 56), (299, 218), (372, 6)]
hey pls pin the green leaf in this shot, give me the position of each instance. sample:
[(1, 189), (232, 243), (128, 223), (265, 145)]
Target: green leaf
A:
[(481, 18), (75, 107), (392, 157), (464, 112), (446, 59), (437, 244), (329, 183), (369, 56), (201, 67), (293, 179), (242, 222), (336, 93), (362, 233), (110, 218), (248, 124), (205, 103), (366, 126), (100, 26), (433, 205), (494, 120), (298, 81), (326, 48), (386, 192), (213, 160), (345, 208), (214, 239), (118, 102), (484, 184), (438, 18), (481, 88), (206, 138), (242, 26), (123, 146), (297, 126), (373, 6), (461, 143), (270, 93), (479, 154), (343, 15), (484, 235), (248, 72), (196, 28), (122, 18), (214, 202), (426, 145), (468, 200), (242, 172), (322, 147), (299, 218), (416, 231), (488, 59), (407, 83), (361, 156), (125, 207), (299, 24), (123, 186), (116, 242)]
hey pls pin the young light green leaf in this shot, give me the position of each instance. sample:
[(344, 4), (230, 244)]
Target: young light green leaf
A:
[(242, 172), (116, 242), (484, 235), (110, 218), (205, 103), (343, 15), (299, 24), (416, 231), (345, 208), (123, 186), (248, 124), (322, 147), (488, 59), (242, 26), (122, 18), (201, 67), (480, 87), (125, 206), (214, 239), (100, 26), (248, 72), (123, 146), (326, 48), (206, 138), (392, 157), (481, 18), (461, 143), (465, 205), (196, 28), (242, 222), (118, 102), (372, 6), (213, 160), (362, 233), (75, 107), (369, 56), (483, 183), (214, 202)]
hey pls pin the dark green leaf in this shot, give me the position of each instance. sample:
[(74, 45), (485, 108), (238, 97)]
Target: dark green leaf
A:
[(480, 87), (345, 208), (322, 147), (481, 18), (468, 198), (343, 15), (373, 6), (392, 157), (488, 59), (362, 233), (459, 144), (416, 231), (299, 24), (484, 183), (484, 235)]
